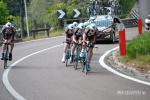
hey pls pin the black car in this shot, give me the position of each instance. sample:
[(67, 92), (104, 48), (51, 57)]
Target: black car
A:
[(108, 27)]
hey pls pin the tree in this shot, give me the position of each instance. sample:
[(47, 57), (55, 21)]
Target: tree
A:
[(38, 9), (4, 12)]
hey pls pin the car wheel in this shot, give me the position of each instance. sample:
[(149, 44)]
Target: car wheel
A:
[(113, 38)]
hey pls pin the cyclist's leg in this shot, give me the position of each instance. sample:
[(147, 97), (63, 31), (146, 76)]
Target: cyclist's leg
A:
[(72, 51), (90, 53), (3, 50), (80, 42), (64, 53), (11, 49)]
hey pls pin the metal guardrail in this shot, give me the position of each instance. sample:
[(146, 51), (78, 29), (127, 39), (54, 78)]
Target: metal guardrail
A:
[(129, 22), (40, 29)]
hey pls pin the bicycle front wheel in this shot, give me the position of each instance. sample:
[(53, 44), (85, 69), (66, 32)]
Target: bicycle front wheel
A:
[(5, 64), (66, 62), (6, 57), (76, 64)]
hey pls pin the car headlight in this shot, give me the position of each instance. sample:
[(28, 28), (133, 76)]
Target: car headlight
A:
[(107, 30)]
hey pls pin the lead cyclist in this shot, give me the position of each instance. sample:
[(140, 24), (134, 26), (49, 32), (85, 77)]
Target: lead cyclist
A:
[(8, 32), (89, 36)]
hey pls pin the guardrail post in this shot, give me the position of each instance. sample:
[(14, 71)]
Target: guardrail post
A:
[(122, 42), (140, 26)]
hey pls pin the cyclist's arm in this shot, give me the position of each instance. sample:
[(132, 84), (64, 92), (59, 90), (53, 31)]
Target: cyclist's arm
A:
[(74, 36), (12, 35), (67, 38), (3, 35), (94, 39)]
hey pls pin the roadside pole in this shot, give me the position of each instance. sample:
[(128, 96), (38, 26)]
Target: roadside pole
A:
[(122, 42), (26, 18), (140, 26)]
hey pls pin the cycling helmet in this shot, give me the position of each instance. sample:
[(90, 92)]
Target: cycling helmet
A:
[(75, 24), (92, 26), (8, 24), (91, 20), (86, 24), (70, 26), (80, 26)]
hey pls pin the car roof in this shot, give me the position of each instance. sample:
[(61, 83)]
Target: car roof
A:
[(104, 17)]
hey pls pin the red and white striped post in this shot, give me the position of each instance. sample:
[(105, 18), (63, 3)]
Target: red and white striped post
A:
[(122, 42), (140, 26)]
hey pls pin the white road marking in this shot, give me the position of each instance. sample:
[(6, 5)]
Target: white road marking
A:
[(39, 39), (5, 80), (101, 61)]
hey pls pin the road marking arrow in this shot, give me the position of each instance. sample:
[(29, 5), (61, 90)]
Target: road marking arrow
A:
[(62, 14), (77, 13)]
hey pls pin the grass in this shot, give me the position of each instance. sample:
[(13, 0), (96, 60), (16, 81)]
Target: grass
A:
[(138, 53)]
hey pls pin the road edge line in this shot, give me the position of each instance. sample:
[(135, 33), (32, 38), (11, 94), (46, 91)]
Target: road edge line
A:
[(39, 39), (5, 79), (102, 63)]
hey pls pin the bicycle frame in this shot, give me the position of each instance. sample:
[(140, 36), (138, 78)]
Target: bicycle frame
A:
[(77, 53), (68, 53), (6, 54), (85, 59)]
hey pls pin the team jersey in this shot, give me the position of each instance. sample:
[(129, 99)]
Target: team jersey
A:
[(8, 32), (69, 33), (78, 32)]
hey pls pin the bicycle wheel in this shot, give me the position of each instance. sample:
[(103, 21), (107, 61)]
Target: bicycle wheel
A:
[(6, 57), (66, 62), (84, 67), (76, 63)]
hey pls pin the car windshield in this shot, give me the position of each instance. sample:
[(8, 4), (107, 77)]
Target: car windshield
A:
[(103, 23)]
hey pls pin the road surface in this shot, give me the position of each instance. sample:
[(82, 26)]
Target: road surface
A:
[(42, 76)]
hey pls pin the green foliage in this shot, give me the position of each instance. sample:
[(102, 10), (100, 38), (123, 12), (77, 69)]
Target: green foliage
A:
[(139, 46), (3, 12), (126, 6), (38, 9), (67, 7)]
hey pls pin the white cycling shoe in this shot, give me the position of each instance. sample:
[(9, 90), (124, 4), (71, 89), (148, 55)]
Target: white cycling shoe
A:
[(63, 59)]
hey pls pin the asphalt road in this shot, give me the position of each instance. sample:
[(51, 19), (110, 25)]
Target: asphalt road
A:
[(43, 76)]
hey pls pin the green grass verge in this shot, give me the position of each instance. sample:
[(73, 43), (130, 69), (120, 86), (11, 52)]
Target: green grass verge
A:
[(138, 52)]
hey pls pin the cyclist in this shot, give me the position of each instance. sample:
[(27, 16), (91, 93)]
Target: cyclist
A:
[(69, 33), (8, 32), (77, 37), (89, 36)]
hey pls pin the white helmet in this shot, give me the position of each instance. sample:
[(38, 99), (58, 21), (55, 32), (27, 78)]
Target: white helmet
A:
[(75, 24), (91, 20), (70, 26), (92, 26), (8, 24), (80, 26), (86, 24)]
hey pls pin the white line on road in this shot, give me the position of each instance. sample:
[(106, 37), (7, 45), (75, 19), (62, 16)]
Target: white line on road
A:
[(39, 39), (101, 61), (5, 80)]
